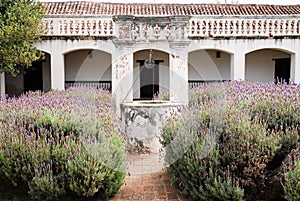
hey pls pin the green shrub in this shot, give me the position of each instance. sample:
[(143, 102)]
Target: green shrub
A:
[(250, 128), (291, 176), (62, 143)]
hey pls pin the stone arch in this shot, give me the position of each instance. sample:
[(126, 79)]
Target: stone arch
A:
[(43, 46), (148, 81), (268, 64), (288, 51), (224, 46), (208, 65), (88, 67), (168, 51), (78, 48), (227, 51), (36, 77)]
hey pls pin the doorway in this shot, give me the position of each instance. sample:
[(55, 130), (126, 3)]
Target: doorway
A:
[(149, 80), (282, 70), (33, 78)]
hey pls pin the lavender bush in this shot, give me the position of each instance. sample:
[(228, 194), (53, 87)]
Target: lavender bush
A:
[(291, 176), (231, 140), (62, 142)]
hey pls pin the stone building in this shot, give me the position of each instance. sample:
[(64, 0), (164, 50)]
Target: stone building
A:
[(137, 50)]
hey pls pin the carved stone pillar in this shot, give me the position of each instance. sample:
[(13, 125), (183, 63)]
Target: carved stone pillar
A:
[(179, 72), (122, 74)]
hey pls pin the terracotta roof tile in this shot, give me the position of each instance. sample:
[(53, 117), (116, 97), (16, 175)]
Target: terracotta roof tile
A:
[(100, 8)]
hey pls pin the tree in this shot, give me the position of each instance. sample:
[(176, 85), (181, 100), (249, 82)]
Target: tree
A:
[(20, 27)]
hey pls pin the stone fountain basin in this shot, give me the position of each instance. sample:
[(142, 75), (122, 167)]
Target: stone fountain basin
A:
[(143, 121), (151, 103)]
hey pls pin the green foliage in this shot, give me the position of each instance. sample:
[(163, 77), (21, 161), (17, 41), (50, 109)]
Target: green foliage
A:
[(45, 185), (231, 140), (20, 22), (62, 142), (291, 178)]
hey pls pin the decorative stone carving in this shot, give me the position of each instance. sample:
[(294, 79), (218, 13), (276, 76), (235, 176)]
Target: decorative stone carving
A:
[(135, 31), (179, 32), (124, 32), (167, 31), (141, 29), (156, 32), (145, 31)]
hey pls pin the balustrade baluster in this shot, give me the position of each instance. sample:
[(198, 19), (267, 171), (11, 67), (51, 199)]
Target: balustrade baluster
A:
[(234, 27), (191, 27), (85, 27), (288, 27), (95, 25), (240, 27), (296, 27), (265, 27), (68, 27), (257, 27), (272, 26)]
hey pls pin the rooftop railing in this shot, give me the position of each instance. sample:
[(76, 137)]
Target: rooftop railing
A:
[(243, 27), (75, 26), (197, 27)]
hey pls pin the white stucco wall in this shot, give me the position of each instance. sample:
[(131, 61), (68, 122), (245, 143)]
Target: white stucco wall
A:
[(260, 65), (88, 65), (203, 65), (163, 70), (46, 73), (237, 48)]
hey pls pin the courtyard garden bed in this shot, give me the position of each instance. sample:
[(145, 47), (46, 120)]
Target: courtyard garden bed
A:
[(61, 144), (236, 141)]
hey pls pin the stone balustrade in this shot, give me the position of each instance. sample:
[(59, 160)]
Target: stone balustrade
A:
[(244, 27), (196, 27), (83, 26)]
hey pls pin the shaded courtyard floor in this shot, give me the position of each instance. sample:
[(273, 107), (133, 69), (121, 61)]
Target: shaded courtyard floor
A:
[(147, 180)]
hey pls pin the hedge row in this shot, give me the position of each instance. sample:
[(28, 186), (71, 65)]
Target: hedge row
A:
[(236, 141), (62, 143)]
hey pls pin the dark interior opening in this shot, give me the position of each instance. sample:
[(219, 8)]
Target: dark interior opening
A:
[(149, 80), (33, 78), (282, 70)]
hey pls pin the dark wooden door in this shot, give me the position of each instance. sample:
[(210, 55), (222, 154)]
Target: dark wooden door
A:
[(282, 70)]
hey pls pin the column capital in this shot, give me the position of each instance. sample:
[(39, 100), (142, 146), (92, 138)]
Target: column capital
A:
[(125, 44), (179, 45)]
